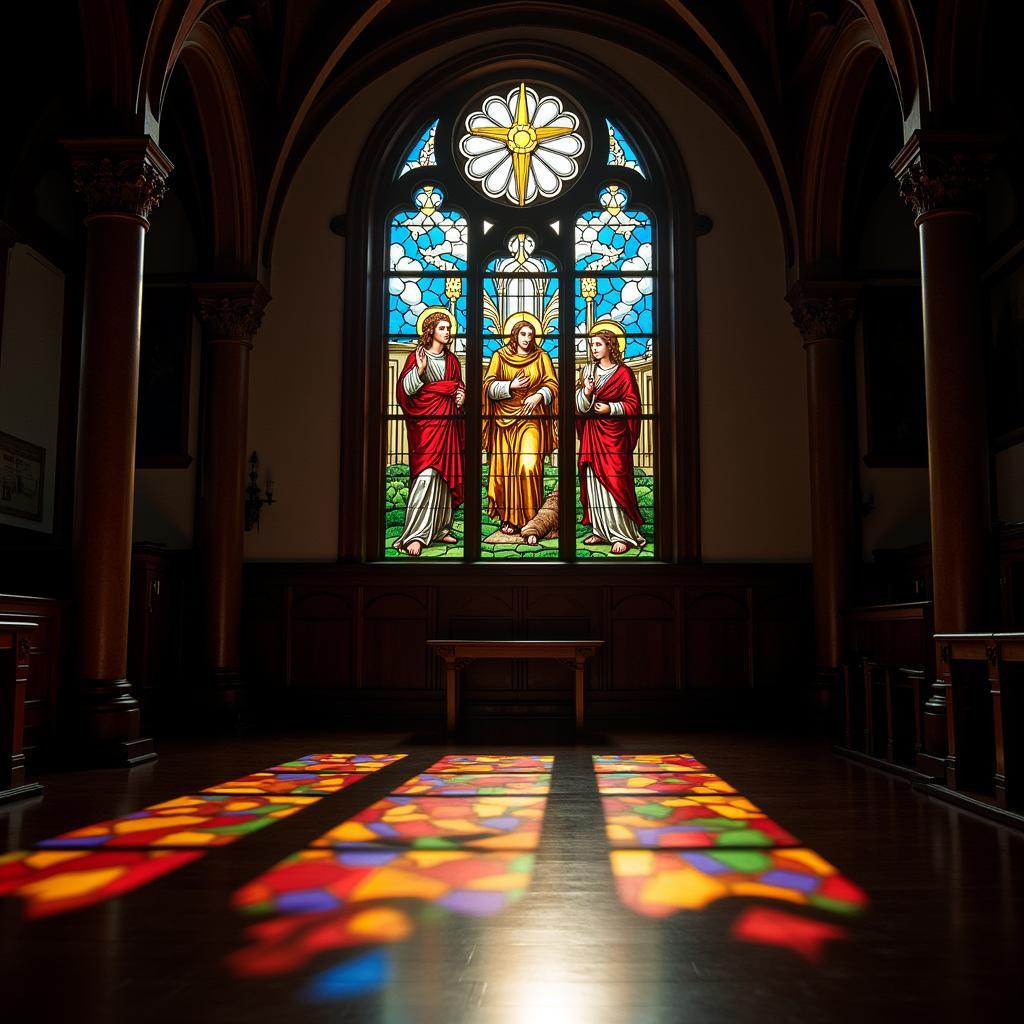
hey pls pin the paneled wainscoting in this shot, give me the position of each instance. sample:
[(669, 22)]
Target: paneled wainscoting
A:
[(733, 640)]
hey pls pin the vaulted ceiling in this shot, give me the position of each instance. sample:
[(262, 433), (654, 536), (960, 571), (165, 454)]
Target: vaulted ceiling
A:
[(248, 84)]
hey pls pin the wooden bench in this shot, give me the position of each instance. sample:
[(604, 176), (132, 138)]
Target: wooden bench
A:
[(457, 653), (14, 654), (983, 739)]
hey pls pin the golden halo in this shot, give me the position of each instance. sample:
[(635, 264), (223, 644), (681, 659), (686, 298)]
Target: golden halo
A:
[(437, 309), (609, 325), (529, 318)]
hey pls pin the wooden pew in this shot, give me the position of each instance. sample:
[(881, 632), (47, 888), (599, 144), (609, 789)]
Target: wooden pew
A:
[(14, 654), (983, 721), (887, 662)]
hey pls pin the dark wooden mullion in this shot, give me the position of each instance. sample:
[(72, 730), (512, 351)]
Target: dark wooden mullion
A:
[(473, 405), (566, 406)]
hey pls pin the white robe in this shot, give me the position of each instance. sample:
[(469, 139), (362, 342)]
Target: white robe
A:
[(429, 513)]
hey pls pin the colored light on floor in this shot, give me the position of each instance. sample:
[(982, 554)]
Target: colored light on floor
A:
[(338, 762), (698, 783), (647, 763), (499, 763), (480, 822), (689, 821), (770, 927), (296, 783), (54, 881), (467, 784), (657, 883), (199, 821)]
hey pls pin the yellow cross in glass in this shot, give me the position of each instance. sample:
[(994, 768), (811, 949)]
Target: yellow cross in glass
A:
[(522, 138)]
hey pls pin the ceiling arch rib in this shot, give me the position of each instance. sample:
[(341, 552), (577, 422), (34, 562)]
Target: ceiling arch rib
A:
[(700, 74), (827, 144), (226, 136)]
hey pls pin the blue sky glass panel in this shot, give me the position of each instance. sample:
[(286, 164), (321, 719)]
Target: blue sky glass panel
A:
[(630, 300), (621, 152), (613, 237), (422, 153), (429, 237)]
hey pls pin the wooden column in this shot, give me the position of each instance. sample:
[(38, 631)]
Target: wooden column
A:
[(231, 315), (941, 177), (824, 314), (121, 180)]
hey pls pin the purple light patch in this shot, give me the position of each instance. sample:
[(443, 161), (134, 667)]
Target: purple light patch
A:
[(477, 904), (791, 880), (305, 901)]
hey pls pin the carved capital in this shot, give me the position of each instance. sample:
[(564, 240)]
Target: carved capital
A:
[(823, 311), (119, 176), (233, 311), (942, 171)]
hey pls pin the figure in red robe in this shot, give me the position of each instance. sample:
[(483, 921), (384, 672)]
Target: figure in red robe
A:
[(608, 401), (431, 394)]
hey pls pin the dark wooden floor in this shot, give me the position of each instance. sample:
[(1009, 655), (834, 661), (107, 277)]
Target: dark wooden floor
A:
[(941, 939)]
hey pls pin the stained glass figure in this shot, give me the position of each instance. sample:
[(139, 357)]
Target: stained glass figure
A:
[(421, 511), (444, 823), (669, 783), (422, 153), (338, 763), (520, 147), (689, 821), (480, 763), (647, 763), (657, 883), (520, 409), (294, 783), (469, 784), (55, 881), (620, 152), (185, 821)]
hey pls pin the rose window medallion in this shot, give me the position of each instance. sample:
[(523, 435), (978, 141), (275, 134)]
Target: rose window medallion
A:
[(522, 147)]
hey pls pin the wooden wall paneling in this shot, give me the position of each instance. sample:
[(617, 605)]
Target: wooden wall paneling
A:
[(396, 627), (717, 625), (559, 613), (642, 631), (781, 640), (485, 612), (266, 627), (322, 649), (44, 655)]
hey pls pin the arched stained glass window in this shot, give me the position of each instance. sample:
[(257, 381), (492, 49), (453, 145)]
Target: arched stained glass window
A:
[(522, 335)]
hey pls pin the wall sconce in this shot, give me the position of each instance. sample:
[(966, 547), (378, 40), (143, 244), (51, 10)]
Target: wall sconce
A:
[(254, 498)]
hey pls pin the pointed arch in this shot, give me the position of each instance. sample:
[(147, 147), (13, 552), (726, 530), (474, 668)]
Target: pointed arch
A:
[(827, 144), (224, 123)]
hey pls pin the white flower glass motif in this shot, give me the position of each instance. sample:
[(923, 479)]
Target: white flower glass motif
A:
[(520, 146)]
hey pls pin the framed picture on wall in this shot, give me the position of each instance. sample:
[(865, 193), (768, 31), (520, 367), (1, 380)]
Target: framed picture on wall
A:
[(21, 478), (894, 375), (165, 360)]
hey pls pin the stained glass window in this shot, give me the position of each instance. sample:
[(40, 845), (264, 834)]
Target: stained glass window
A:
[(520, 263)]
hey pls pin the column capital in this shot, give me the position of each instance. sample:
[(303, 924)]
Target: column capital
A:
[(231, 311), (824, 310), (119, 175), (944, 171)]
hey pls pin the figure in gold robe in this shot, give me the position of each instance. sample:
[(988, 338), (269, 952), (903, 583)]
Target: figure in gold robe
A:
[(520, 402)]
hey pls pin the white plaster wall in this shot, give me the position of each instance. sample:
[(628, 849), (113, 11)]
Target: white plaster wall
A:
[(753, 430)]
